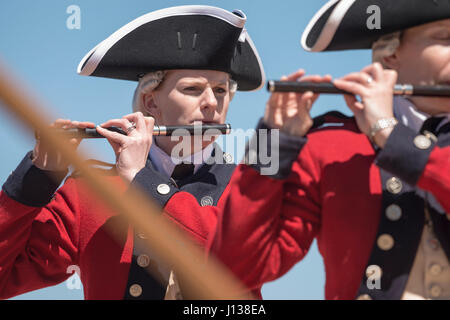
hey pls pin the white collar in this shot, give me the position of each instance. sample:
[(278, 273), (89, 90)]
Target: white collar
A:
[(166, 164), (406, 112)]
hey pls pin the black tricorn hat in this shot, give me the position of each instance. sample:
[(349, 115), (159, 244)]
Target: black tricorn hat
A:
[(184, 37), (343, 24)]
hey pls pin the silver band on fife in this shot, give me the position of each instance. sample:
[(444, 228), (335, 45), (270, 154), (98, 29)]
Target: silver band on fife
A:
[(382, 124), (131, 128)]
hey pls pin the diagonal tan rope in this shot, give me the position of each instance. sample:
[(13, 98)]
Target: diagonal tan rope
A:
[(211, 281)]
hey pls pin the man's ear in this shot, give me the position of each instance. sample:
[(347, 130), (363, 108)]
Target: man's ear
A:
[(392, 61), (150, 106)]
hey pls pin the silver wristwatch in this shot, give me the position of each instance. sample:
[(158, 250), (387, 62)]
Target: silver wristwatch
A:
[(382, 124)]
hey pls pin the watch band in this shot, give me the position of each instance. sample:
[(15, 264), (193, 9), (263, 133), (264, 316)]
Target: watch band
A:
[(382, 124)]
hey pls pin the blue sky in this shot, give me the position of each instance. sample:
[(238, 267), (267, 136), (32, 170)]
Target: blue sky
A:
[(44, 53)]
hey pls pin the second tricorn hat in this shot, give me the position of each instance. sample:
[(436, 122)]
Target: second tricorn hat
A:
[(184, 37), (343, 24)]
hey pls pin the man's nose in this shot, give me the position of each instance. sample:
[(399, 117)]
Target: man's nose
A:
[(209, 100)]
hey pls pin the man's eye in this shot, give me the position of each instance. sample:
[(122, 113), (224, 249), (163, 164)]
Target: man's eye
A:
[(191, 89), (221, 90)]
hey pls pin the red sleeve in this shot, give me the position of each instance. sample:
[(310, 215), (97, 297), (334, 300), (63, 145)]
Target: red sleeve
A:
[(436, 176), (267, 225), (37, 244)]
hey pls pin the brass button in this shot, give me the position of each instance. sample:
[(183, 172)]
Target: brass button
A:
[(207, 201), (394, 185), (143, 260), (163, 188), (385, 242), (435, 291), (228, 158), (394, 212), (374, 271), (364, 297), (135, 290), (422, 142), (435, 269)]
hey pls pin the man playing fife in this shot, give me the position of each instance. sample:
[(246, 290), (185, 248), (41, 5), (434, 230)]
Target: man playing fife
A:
[(373, 189)]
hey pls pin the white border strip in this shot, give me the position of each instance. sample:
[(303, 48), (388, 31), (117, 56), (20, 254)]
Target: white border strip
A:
[(263, 74), (102, 48), (79, 71), (330, 27)]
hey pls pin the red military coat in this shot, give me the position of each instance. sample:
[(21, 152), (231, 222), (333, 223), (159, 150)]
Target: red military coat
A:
[(336, 187), (42, 233)]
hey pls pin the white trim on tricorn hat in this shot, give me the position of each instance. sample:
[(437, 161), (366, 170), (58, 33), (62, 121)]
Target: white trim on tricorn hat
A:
[(252, 46), (235, 53), (331, 25), (342, 24)]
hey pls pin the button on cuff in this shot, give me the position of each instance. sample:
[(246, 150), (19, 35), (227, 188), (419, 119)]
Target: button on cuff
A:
[(422, 142), (163, 188), (401, 157)]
